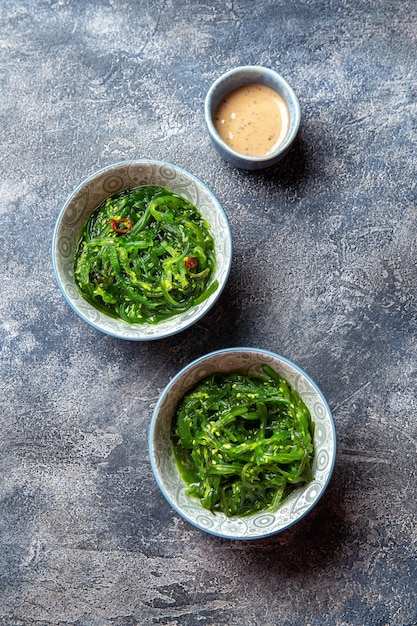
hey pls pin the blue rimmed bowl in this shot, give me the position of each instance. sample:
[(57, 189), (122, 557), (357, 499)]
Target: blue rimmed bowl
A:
[(113, 179), (262, 524), (245, 75)]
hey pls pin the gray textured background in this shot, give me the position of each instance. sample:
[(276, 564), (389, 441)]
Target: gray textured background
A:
[(324, 272)]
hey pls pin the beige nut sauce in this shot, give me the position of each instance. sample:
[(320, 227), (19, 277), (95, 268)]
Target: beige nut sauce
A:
[(252, 119)]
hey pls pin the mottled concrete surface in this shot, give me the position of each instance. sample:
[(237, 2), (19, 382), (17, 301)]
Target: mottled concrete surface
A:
[(324, 272)]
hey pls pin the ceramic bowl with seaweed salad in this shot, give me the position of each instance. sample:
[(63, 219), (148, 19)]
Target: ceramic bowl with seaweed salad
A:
[(142, 249), (242, 443)]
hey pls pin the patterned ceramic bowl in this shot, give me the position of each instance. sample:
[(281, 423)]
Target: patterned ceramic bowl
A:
[(115, 178), (244, 76), (261, 524)]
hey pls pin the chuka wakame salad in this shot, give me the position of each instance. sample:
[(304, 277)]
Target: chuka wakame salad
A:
[(145, 255)]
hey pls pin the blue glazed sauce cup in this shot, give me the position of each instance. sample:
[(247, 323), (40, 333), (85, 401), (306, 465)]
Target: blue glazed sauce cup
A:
[(252, 75)]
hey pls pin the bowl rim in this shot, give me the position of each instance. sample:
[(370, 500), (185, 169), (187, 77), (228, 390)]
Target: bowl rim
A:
[(107, 168), (181, 373), (255, 70)]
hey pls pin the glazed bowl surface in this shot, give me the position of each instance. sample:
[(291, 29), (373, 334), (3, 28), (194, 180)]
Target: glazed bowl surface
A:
[(238, 77), (114, 179), (168, 478)]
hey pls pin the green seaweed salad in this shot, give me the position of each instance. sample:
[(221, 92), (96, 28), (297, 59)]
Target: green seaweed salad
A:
[(243, 442), (145, 255)]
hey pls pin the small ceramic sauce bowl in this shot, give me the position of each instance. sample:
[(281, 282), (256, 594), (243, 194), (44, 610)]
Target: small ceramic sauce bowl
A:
[(245, 76)]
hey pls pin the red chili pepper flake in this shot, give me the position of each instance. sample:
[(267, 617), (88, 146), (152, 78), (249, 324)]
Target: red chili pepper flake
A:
[(191, 262), (121, 225)]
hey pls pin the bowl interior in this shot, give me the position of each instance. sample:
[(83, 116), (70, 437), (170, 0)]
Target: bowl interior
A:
[(90, 194), (166, 472), (243, 76)]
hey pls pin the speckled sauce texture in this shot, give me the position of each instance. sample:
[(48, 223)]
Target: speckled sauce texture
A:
[(324, 273)]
